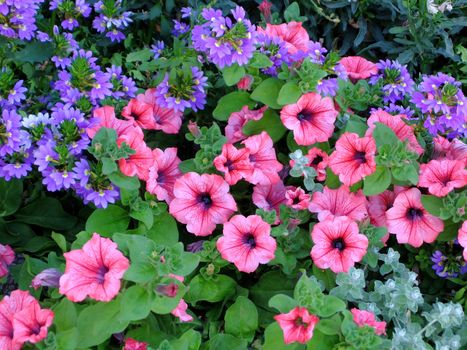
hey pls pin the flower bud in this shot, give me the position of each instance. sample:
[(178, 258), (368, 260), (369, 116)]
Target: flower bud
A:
[(47, 278)]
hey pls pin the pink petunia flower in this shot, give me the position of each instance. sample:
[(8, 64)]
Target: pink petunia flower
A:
[(454, 150), (237, 120), (409, 220), (31, 323), (462, 238), (140, 113), (234, 163), (139, 162), (442, 176), (201, 202), (95, 270), (358, 68), (365, 318), (9, 306), (132, 344), (378, 205), (297, 199), (297, 325), (263, 158), (165, 119), (338, 244), (247, 242), (105, 117), (339, 202), (7, 256), (311, 118), (163, 173), (319, 161), (295, 36), (269, 196), (403, 131), (245, 82), (353, 158), (180, 312)]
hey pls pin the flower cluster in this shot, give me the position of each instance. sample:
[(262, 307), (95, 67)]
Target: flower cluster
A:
[(18, 19), (111, 19), (70, 11)]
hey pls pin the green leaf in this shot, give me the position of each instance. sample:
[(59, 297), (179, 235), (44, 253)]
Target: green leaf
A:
[(46, 212), (274, 339), (10, 198), (267, 92), (60, 240), (227, 341), (144, 215), (136, 304), (327, 277), (212, 290), (356, 125), (432, 204), (190, 340), (283, 303), (270, 284), (384, 135), (260, 60), (65, 315), (270, 122), (108, 166), (233, 74), (108, 221), (330, 326), (67, 340), (241, 318), (230, 103), (331, 305), (123, 181), (377, 182), (34, 52), (322, 341), (164, 230), (289, 93), (139, 56), (292, 13), (98, 322)]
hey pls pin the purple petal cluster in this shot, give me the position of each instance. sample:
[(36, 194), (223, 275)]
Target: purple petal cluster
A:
[(123, 86), (111, 19), (157, 48), (443, 104), (65, 45), (83, 78), (185, 92), (70, 11), (11, 90), (395, 79), (448, 266), (224, 40), (19, 18), (275, 49)]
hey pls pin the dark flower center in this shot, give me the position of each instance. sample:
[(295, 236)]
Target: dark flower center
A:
[(249, 240), (317, 160), (296, 200), (300, 323), (134, 115), (339, 244), (229, 164), (360, 157), (36, 329), (101, 274), (414, 213), (205, 199), (305, 116), (160, 177)]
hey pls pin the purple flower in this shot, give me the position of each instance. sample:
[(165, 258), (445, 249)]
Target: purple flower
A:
[(179, 28), (69, 126), (70, 11), (111, 19), (47, 278), (224, 40), (19, 163), (316, 52), (448, 266), (275, 49), (56, 180), (18, 18), (10, 134), (440, 99), (184, 92), (115, 35), (186, 12), (157, 48), (123, 86), (395, 79), (93, 186), (395, 109), (327, 87)]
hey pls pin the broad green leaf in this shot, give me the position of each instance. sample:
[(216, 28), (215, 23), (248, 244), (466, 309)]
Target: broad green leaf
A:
[(330, 326), (322, 341), (267, 92), (274, 339), (270, 122), (233, 74), (331, 305), (384, 135), (289, 93), (227, 341), (164, 230), (432, 204), (241, 318), (270, 284), (213, 290), (230, 103), (136, 304), (377, 182), (46, 212), (123, 181), (60, 240), (190, 340), (65, 315), (108, 221), (283, 303), (356, 125), (10, 196), (139, 56), (260, 60)]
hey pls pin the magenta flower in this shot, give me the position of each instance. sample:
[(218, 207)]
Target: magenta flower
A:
[(311, 118), (358, 68), (94, 270), (338, 244), (295, 36), (410, 221), (297, 325), (353, 158), (163, 173), (365, 318), (234, 163), (7, 256), (202, 202), (339, 202), (247, 242), (442, 176)]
